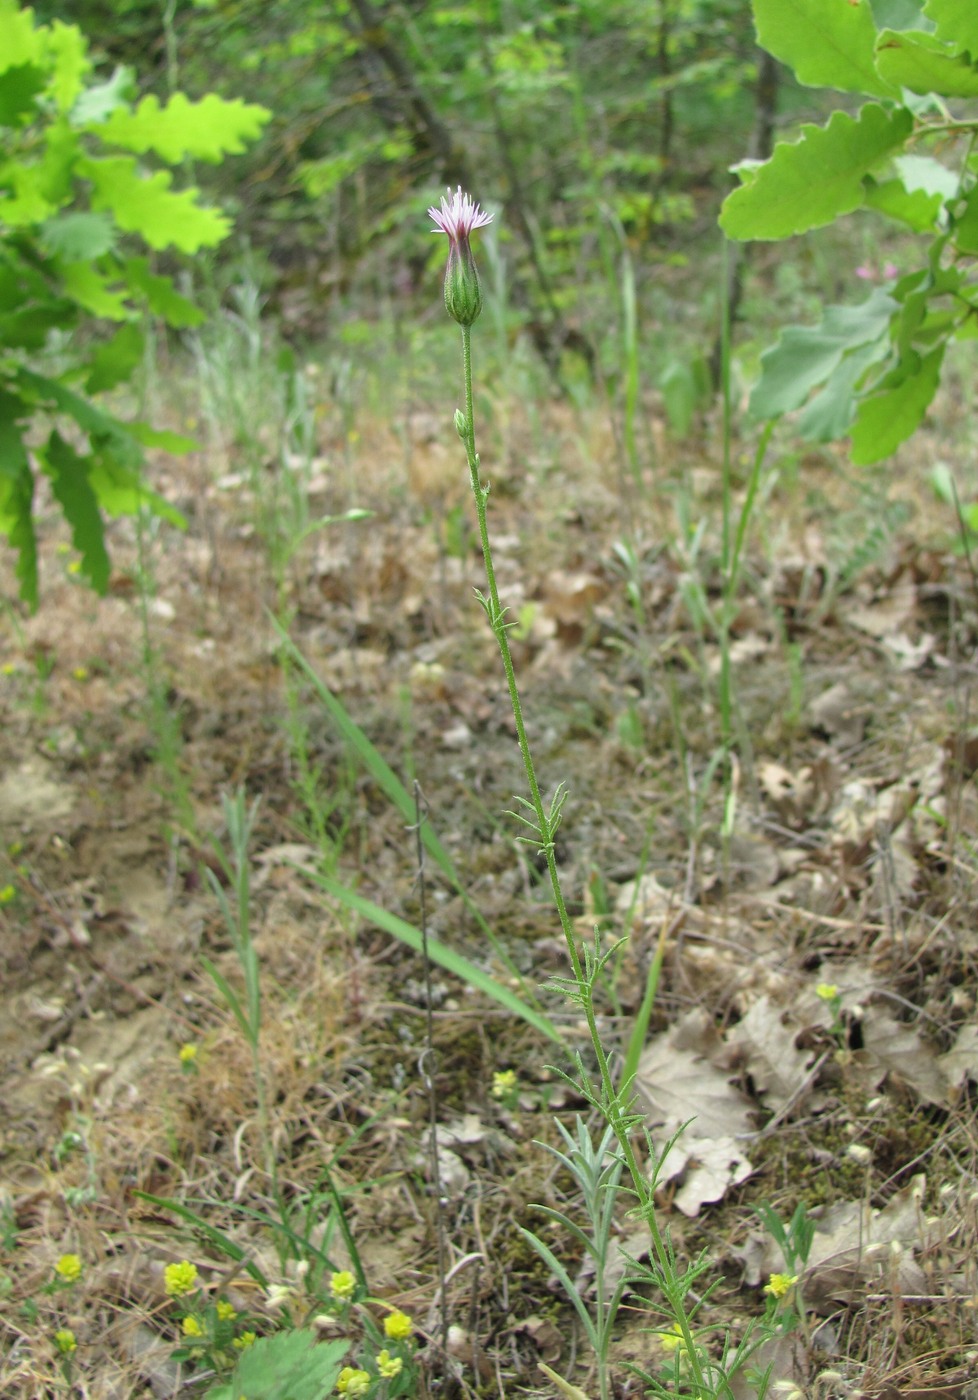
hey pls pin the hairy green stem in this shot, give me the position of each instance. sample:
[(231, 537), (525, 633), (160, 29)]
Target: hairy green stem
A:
[(613, 1102)]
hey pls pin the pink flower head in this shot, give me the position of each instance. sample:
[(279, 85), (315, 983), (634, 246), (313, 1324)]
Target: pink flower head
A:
[(457, 217)]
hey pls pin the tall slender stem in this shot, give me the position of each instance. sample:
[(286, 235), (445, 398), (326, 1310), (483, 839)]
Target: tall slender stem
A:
[(614, 1106)]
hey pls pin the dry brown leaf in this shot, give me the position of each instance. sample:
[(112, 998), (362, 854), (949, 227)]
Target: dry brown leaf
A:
[(895, 1048), (676, 1083), (961, 1061), (764, 1044)]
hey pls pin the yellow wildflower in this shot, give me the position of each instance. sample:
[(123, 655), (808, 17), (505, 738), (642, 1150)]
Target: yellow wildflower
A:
[(352, 1382), (191, 1326), (64, 1340), (827, 991), (398, 1326), (342, 1284), (245, 1340), (388, 1366), (226, 1312), (69, 1268), (780, 1285), (179, 1279), (673, 1340), (503, 1083), (188, 1053), (7, 894)]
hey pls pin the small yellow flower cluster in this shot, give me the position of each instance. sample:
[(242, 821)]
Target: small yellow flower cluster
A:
[(352, 1382), (388, 1366), (69, 1268), (341, 1285), (64, 1340), (826, 991), (780, 1285), (503, 1083), (398, 1326), (188, 1053), (226, 1312), (246, 1340), (180, 1279), (191, 1326), (7, 894)]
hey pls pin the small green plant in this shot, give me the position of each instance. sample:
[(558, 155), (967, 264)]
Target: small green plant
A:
[(785, 1310), (77, 200), (595, 1168), (236, 910)]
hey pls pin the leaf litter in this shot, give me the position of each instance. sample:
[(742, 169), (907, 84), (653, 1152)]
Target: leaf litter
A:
[(851, 863)]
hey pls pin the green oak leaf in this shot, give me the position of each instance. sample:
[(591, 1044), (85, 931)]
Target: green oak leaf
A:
[(886, 419), (146, 205), (161, 296), (19, 88), (966, 224), (115, 359), (69, 473), (923, 63), (956, 23), (827, 44), (207, 130), (915, 208), (806, 356), (812, 181)]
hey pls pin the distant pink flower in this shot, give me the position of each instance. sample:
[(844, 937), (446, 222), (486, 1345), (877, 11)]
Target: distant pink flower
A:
[(457, 217), (866, 274), (890, 270)]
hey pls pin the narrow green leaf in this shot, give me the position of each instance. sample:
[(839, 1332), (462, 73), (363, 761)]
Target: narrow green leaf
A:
[(810, 183), (957, 24), (923, 63), (207, 130), (217, 1238), (445, 957), (885, 420), (69, 473), (827, 44), (390, 784)]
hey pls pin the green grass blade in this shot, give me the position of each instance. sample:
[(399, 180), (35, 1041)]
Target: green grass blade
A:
[(445, 957), (216, 1237), (390, 784)]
